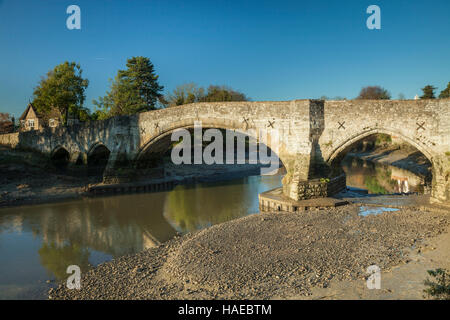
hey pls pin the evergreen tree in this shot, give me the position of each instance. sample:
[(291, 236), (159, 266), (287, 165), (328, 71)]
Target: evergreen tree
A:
[(445, 93), (133, 90), (428, 92)]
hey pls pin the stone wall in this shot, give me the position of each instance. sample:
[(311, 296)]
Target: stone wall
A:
[(321, 188), (9, 139)]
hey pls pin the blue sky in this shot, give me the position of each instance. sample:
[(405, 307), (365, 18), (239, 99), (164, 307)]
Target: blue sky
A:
[(270, 50)]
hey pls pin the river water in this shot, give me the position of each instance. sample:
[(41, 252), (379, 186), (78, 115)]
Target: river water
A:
[(379, 178), (38, 242)]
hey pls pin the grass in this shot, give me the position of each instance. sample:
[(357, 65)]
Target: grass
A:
[(383, 140), (439, 286)]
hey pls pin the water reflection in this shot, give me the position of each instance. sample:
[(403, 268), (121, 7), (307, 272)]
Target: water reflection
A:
[(190, 208), (56, 258), (39, 242), (379, 178)]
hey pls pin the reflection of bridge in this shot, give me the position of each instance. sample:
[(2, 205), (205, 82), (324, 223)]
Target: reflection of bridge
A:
[(314, 134), (110, 225), (405, 179)]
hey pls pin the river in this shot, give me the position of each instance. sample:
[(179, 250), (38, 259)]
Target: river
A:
[(38, 242)]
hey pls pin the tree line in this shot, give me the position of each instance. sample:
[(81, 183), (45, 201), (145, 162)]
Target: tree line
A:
[(133, 90), (137, 89), (379, 93), (191, 93)]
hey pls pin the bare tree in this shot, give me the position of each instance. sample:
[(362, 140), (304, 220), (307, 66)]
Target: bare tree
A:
[(6, 124), (374, 93)]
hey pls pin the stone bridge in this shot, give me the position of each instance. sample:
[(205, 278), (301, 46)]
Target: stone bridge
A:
[(314, 135)]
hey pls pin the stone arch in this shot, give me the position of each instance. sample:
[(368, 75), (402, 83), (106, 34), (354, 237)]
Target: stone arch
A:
[(159, 141), (97, 159), (439, 184), (60, 157), (94, 146), (350, 141)]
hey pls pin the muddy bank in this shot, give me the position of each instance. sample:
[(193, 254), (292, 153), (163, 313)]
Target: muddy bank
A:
[(28, 178), (265, 256)]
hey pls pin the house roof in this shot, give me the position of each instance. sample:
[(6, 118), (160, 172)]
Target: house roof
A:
[(24, 114), (54, 113)]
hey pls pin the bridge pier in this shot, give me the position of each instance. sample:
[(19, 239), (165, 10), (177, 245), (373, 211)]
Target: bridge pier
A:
[(118, 169), (308, 180), (308, 174), (78, 158), (440, 191), (78, 163)]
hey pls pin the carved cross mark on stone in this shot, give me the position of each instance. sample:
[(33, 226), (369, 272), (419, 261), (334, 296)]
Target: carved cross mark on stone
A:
[(420, 126), (143, 130), (341, 125), (271, 124), (246, 122)]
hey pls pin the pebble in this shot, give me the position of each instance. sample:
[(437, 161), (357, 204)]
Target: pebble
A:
[(248, 255)]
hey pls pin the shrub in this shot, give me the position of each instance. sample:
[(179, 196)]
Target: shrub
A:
[(439, 287)]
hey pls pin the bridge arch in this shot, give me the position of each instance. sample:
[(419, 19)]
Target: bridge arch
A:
[(349, 142), (60, 157), (158, 143), (97, 158), (94, 146), (439, 181)]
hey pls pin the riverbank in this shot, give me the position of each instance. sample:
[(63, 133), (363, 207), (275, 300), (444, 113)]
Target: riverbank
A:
[(282, 255), (404, 281), (28, 178)]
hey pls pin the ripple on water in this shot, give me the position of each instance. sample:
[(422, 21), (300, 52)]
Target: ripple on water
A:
[(365, 211)]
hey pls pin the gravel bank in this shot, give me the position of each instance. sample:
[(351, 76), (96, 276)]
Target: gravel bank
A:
[(263, 256)]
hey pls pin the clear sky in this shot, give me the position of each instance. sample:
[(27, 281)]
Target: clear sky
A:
[(270, 50)]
